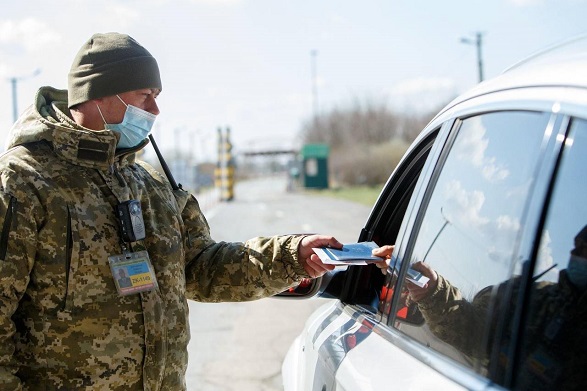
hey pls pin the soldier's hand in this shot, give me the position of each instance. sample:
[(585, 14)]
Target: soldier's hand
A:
[(309, 260)]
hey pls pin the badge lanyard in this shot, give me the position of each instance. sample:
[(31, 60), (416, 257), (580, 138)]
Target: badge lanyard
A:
[(133, 272)]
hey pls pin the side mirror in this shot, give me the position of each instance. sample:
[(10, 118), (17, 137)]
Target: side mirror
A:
[(327, 286), (307, 288)]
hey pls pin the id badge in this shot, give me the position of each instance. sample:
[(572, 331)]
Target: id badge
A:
[(133, 273)]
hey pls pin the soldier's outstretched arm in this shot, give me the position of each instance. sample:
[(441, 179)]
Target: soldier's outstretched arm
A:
[(257, 268)]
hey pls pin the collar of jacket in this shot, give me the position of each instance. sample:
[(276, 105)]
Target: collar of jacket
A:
[(92, 149), (47, 120)]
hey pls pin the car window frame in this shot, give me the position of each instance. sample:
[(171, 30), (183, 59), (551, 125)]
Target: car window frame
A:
[(429, 171)]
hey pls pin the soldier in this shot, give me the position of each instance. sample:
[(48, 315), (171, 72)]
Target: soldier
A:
[(123, 280), (554, 343), (70, 166)]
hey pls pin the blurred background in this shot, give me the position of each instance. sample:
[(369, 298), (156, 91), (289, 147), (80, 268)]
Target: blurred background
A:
[(361, 77)]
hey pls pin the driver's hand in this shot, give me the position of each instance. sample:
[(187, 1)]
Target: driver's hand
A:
[(385, 253)]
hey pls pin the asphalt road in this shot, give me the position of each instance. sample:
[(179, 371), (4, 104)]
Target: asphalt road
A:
[(241, 346)]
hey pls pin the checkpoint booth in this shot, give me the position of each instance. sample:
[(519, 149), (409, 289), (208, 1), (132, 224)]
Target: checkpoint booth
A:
[(315, 165)]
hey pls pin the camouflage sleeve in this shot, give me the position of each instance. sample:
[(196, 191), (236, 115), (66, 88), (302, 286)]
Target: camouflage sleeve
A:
[(221, 271), (455, 320), (17, 251)]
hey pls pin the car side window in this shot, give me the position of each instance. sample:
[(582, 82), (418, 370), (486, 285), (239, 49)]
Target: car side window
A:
[(554, 340), (468, 233)]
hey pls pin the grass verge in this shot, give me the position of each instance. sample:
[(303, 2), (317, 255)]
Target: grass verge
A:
[(366, 195)]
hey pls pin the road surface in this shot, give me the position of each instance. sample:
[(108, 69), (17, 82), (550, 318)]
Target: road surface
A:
[(240, 346)]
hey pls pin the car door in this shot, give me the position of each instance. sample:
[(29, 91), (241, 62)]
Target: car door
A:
[(468, 225), (467, 200), (465, 217)]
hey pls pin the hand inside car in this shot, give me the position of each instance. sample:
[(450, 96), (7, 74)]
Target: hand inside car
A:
[(385, 253)]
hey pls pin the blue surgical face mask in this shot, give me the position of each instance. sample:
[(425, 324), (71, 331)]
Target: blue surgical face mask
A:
[(134, 128), (577, 271)]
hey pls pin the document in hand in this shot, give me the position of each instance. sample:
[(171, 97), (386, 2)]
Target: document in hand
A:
[(349, 254), (361, 254)]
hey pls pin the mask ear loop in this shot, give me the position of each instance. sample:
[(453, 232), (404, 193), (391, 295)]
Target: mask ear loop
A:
[(101, 115), (123, 102)]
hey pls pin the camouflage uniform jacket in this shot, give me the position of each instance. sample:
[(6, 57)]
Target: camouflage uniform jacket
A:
[(63, 324), (554, 340)]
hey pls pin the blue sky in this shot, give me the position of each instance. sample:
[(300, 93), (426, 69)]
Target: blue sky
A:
[(247, 63)]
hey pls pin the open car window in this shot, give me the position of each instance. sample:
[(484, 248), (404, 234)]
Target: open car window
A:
[(362, 285)]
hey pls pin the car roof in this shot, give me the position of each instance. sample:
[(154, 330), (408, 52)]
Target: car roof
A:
[(561, 65)]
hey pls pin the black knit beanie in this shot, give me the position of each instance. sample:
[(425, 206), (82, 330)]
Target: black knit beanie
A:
[(110, 64)]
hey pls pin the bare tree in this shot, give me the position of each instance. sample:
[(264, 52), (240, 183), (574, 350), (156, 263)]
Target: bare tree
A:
[(366, 139)]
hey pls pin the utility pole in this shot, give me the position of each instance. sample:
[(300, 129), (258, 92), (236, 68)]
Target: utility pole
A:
[(314, 54), (14, 81), (478, 42)]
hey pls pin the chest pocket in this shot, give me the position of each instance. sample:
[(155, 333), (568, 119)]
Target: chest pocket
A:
[(71, 273), (91, 237), (55, 266)]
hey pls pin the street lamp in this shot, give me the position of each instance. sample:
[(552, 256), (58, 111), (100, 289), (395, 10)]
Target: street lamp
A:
[(14, 81), (478, 43)]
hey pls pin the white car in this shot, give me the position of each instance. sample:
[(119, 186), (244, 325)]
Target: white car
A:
[(490, 202)]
